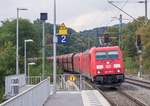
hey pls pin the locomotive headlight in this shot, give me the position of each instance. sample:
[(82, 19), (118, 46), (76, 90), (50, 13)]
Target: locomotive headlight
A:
[(118, 71), (98, 72), (117, 65), (99, 66)]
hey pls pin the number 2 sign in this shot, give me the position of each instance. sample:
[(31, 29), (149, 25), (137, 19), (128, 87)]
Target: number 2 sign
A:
[(62, 39)]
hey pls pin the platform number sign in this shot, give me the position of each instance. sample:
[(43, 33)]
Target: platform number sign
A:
[(62, 39), (62, 34)]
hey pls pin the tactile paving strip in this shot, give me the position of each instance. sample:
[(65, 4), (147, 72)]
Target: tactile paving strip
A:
[(93, 98)]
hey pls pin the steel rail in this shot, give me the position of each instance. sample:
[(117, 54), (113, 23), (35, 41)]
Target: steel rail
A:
[(137, 101), (137, 82), (146, 82)]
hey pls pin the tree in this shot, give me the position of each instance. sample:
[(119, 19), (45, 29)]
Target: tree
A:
[(7, 64), (145, 38)]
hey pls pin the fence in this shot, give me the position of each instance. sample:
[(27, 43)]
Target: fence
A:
[(71, 82), (35, 96), (32, 80)]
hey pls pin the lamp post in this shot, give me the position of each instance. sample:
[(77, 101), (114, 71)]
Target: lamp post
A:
[(146, 18), (25, 55), (145, 2), (29, 70), (54, 48), (17, 40)]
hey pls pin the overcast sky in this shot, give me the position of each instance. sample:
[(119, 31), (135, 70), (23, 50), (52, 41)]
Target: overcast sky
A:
[(77, 14)]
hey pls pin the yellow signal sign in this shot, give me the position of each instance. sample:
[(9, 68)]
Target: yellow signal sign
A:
[(63, 29), (72, 78)]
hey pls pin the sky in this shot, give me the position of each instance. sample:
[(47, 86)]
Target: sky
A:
[(77, 14)]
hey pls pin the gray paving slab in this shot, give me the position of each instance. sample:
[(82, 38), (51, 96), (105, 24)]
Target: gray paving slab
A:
[(65, 99)]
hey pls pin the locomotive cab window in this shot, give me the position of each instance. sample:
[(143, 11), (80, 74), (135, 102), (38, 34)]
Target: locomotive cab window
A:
[(101, 55), (113, 54), (107, 55)]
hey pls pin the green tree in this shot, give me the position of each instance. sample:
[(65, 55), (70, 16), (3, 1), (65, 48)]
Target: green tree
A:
[(7, 64)]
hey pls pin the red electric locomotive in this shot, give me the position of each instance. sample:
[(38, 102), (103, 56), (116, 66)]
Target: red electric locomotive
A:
[(103, 65)]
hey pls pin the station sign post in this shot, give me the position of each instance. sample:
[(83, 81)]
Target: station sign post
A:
[(43, 18)]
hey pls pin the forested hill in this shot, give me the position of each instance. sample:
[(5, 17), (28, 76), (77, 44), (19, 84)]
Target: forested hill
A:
[(94, 32), (81, 41)]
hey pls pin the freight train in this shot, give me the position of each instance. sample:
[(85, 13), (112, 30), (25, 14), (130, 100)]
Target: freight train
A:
[(103, 65)]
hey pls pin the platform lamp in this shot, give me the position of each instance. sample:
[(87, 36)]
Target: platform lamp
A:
[(17, 39), (32, 63), (25, 55)]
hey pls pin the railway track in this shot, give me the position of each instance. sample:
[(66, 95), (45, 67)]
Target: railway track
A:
[(117, 97), (144, 84)]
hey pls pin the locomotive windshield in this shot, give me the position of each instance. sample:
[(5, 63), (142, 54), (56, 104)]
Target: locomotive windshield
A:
[(106, 55)]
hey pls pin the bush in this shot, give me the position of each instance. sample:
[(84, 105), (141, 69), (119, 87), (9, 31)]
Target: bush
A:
[(131, 65)]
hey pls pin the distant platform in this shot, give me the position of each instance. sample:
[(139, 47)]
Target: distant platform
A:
[(77, 98)]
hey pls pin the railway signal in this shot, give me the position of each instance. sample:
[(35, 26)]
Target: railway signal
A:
[(139, 50), (138, 42)]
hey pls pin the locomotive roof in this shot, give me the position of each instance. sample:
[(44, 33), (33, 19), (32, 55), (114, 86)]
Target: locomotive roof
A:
[(108, 47), (103, 48)]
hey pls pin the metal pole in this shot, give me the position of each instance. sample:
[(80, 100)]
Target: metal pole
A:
[(120, 29), (43, 51), (146, 12), (17, 37), (25, 59), (141, 64), (28, 72), (81, 82), (54, 48)]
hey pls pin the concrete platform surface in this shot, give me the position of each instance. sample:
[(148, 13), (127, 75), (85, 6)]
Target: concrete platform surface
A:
[(65, 99), (77, 98)]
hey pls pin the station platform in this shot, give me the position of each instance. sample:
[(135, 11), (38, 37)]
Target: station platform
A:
[(77, 98)]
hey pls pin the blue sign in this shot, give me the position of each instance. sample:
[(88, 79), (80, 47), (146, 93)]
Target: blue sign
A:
[(62, 39)]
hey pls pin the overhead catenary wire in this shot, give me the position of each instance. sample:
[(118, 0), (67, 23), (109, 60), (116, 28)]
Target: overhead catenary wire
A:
[(122, 10)]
